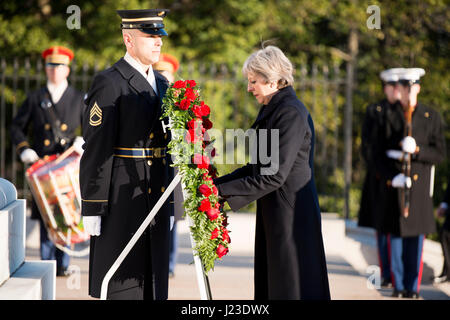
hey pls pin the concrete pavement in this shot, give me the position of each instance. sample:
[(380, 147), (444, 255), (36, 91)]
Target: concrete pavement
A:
[(232, 277)]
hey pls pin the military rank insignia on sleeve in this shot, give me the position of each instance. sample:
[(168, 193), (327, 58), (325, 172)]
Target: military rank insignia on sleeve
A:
[(95, 117)]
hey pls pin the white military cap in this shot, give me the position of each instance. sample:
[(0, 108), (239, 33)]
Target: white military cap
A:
[(391, 75), (411, 76)]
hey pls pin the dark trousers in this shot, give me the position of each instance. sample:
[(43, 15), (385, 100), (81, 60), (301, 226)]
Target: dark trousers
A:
[(383, 256), (50, 252), (406, 262)]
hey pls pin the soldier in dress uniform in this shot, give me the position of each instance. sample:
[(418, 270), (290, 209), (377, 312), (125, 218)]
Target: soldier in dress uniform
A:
[(426, 146), (125, 167), (371, 129), (168, 66), (54, 113)]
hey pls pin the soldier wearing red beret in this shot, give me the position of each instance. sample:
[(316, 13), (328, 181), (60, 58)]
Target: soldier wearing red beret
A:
[(54, 113)]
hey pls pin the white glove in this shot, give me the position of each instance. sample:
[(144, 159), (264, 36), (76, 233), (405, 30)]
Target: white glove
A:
[(92, 225), (400, 181), (78, 145), (172, 221), (29, 156), (409, 144), (396, 154)]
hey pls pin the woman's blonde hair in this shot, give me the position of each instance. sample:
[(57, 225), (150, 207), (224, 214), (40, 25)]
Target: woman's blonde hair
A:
[(272, 64)]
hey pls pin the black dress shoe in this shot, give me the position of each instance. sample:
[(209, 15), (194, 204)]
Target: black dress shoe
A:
[(61, 272), (398, 294), (412, 295), (386, 283)]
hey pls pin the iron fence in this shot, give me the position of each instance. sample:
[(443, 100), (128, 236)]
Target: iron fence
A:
[(321, 88)]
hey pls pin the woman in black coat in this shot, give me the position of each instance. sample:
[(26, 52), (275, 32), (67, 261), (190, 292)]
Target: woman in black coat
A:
[(289, 255)]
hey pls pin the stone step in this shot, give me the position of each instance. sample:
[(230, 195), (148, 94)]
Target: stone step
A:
[(34, 280)]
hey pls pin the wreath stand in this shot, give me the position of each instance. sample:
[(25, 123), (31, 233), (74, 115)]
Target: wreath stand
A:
[(202, 278)]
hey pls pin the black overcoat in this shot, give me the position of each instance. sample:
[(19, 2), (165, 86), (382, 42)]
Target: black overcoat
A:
[(124, 190), (289, 255), (428, 131), (372, 185), (33, 117)]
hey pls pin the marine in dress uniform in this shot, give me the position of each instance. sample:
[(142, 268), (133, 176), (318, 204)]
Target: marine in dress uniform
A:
[(426, 146), (372, 187), (54, 112), (125, 167)]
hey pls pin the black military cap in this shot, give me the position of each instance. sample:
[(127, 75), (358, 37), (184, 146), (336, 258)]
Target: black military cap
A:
[(149, 21)]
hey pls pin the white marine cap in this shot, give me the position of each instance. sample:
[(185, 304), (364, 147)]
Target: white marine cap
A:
[(411, 75), (391, 75)]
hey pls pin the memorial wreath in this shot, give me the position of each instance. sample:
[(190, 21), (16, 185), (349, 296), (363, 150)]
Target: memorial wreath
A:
[(192, 152)]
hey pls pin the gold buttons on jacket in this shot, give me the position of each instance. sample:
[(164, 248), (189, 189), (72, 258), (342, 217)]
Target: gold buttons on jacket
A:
[(163, 189), (64, 127), (427, 115), (149, 162), (47, 126), (415, 177), (152, 135), (378, 108), (164, 161), (46, 142), (149, 190)]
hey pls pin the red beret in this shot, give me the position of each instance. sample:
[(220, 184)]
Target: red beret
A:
[(167, 62)]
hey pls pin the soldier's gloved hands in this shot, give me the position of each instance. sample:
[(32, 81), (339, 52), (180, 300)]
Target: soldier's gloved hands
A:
[(78, 145), (401, 181), (29, 156), (396, 154), (92, 225), (409, 144)]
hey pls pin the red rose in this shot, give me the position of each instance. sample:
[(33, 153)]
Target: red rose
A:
[(212, 213), (225, 236), (201, 161), (205, 109), (191, 83), (215, 191), (197, 111), (205, 190), (184, 104), (191, 137), (189, 94), (194, 124), (207, 124), (221, 250), (204, 205), (179, 84), (214, 234)]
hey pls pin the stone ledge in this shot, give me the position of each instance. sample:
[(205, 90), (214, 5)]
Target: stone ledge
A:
[(34, 280)]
